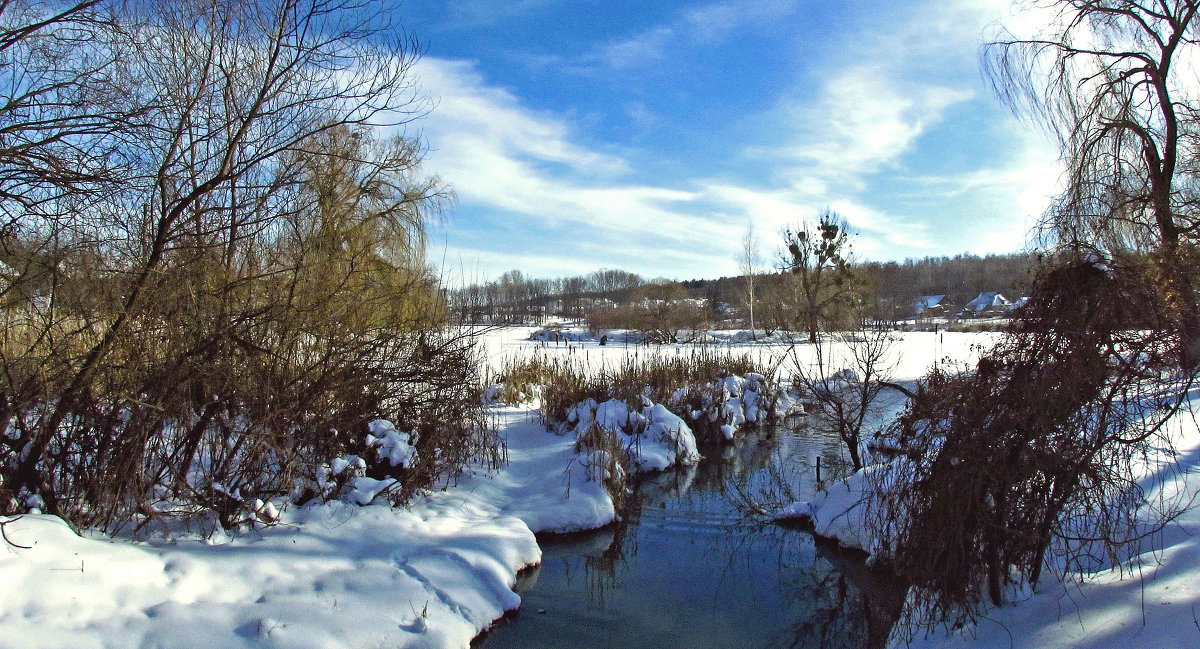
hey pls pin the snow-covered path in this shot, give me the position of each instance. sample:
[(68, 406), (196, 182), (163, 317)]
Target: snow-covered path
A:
[(543, 484), (333, 575)]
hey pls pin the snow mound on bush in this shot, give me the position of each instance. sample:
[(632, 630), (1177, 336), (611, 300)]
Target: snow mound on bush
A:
[(394, 446), (670, 440), (654, 439)]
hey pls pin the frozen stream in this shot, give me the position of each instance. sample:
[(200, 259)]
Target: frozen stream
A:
[(687, 570)]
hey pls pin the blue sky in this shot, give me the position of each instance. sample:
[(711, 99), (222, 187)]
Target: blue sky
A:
[(647, 136)]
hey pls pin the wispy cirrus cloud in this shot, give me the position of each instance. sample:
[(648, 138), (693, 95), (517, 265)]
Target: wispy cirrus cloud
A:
[(706, 25), (853, 145), (861, 120), (473, 116)]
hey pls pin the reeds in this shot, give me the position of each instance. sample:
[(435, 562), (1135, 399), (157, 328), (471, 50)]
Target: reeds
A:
[(673, 378)]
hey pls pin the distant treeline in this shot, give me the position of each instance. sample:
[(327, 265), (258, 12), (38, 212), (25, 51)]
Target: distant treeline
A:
[(888, 290), (516, 299)]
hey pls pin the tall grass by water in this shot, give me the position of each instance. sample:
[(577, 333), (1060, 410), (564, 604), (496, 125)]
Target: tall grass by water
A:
[(563, 381)]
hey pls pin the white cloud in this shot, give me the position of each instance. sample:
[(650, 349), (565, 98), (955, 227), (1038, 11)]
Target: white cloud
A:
[(532, 172), (500, 155), (869, 115), (494, 119), (862, 119), (775, 210)]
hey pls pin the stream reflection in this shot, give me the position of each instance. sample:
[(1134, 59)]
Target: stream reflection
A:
[(686, 569)]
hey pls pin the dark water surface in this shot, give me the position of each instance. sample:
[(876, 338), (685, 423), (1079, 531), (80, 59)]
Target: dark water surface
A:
[(686, 569)]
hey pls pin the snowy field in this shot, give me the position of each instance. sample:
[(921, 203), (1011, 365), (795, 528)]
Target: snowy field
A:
[(434, 575), (914, 352)]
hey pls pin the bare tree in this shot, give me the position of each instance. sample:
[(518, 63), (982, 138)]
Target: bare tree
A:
[(748, 265), (842, 377), (61, 105), (1042, 448), (614, 284), (1112, 80), (664, 312), (263, 249)]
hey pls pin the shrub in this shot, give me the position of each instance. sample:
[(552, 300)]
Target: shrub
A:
[(250, 355), (1035, 450)]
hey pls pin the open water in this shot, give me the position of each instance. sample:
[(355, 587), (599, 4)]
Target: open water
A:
[(687, 569)]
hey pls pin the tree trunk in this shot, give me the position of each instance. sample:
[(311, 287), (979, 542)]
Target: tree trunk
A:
[(852, 446)]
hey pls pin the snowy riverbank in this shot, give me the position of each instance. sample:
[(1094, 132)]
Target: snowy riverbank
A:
[(332, 575), (1155, 602)]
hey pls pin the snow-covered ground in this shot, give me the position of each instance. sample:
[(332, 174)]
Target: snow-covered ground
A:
[(331, 575), (1151, 601), (912, 353), (1158, 606)]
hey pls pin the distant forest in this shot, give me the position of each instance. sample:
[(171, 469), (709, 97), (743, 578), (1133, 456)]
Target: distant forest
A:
[(887, 290)]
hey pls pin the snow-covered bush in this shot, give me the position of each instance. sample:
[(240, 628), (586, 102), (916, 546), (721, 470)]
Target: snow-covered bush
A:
[(651, 411), (695, 384), (655, 436), (651, 438), (719, 409), (615, 441), (392, 447)]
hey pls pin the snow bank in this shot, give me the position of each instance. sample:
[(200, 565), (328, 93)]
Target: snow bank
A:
[(1156, 603), (546, 484), (654, 439), (330, 575), (840, 512), (333, 575), (667, 441)]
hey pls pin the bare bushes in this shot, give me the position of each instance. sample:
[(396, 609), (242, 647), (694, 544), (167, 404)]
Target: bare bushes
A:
[(237, 379), (1038, 450), (231, 316), (647, 411), (605, 461), (842, 378)]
